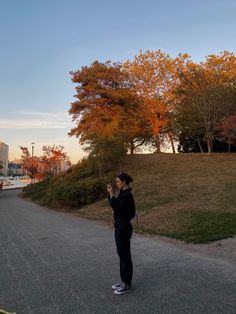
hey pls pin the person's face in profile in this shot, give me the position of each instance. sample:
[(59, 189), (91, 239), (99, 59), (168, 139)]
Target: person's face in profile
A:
[(120, 184)]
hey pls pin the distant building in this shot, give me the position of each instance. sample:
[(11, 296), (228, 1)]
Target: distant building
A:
[(4, 152), (15, 168)]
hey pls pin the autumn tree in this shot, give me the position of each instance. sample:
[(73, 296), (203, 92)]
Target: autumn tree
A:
[(106, 107), (30, 163), (154, 74), (54, 159), (153, 98), (50, 163)]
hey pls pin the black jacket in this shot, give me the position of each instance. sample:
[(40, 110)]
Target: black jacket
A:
[(123, 206)]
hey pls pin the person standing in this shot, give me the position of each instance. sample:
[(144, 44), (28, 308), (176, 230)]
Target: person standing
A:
[(124, 211)]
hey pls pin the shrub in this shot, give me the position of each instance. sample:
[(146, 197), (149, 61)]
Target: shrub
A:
[(67, 191)]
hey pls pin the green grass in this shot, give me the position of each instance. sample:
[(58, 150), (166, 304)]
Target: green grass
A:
[(206, 227), (191, 197)]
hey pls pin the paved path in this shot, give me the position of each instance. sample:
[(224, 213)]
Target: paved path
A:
[(54, 262)]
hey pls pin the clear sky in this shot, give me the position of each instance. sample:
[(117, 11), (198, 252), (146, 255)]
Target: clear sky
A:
[(41, 41)]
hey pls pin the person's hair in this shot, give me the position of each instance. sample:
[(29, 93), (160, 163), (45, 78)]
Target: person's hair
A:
[(125, 177)]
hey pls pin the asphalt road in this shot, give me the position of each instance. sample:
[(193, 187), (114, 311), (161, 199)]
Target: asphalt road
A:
[(54, 262)]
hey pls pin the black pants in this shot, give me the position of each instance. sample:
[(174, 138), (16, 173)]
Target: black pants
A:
[(123, 234)]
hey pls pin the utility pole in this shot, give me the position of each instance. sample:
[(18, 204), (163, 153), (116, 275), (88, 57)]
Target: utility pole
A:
[(32, 163)]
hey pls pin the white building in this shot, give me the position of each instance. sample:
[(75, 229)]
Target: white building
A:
[(4, 152)]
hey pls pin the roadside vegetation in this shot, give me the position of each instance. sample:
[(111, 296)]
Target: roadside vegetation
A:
[(191, 197), (68, 190)]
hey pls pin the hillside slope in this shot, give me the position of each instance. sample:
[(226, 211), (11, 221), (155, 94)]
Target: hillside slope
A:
[(186, 196)]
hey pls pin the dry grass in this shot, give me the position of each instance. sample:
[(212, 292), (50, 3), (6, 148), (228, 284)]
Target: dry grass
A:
[(174, 191)]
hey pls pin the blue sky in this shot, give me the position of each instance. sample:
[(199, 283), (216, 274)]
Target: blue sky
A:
[(41, 41)]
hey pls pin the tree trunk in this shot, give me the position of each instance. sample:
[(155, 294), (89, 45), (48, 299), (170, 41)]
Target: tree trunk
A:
[(199, 144), (158, 144), (131, 147), (172, 142), (209, 145), (99, 169)]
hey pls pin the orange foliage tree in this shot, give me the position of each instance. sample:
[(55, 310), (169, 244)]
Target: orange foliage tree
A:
[(152, 98), (53, 161), (106, 106), (30, 164), (154, 74)]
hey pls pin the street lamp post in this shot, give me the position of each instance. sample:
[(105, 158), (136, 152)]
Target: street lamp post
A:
[(32, 164)]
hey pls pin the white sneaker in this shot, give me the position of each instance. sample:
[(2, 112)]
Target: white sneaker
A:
[(116, 286), (121, 290)]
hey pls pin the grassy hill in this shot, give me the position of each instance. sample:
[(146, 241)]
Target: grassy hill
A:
[(191, 197)]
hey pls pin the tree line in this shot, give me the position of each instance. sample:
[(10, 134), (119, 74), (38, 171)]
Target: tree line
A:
[(154, 99)]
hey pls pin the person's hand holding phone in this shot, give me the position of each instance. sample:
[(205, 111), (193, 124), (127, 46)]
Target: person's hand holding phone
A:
[(110, 189)]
